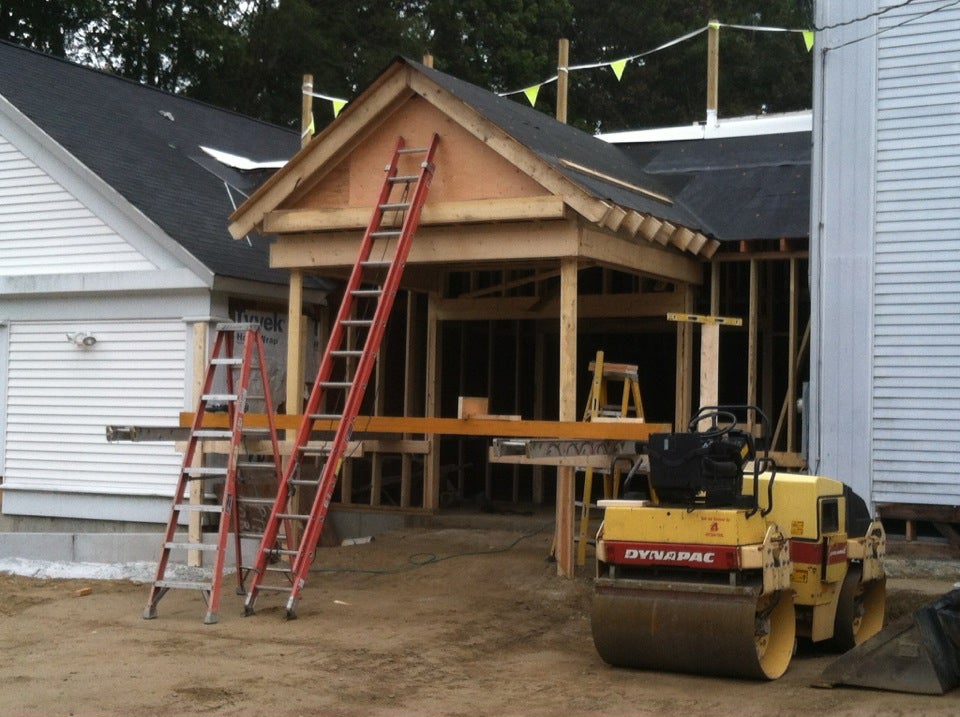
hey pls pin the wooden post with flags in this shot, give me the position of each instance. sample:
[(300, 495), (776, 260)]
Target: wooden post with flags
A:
[(306, 111)]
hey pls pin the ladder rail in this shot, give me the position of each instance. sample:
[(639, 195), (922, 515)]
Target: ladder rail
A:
[(355, 388), (365, 364)]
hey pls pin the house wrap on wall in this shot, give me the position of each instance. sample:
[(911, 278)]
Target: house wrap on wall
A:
[(113, 227), (885, 254)]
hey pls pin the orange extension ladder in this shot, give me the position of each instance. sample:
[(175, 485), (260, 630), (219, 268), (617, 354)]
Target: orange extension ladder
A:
[(286, 556), (226, 389)]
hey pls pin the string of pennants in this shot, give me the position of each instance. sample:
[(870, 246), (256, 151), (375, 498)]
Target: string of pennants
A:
[(617, 66)]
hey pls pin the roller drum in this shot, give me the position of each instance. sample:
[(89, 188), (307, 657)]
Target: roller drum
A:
[(702, 629)]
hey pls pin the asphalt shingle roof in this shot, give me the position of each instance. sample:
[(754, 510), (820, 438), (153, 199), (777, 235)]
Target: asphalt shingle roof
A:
[(743, 188), (145, 143), (755, 187)]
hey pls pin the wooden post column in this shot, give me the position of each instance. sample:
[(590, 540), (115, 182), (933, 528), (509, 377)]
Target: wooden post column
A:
[(568, 411), (200, 359), (431, 400)]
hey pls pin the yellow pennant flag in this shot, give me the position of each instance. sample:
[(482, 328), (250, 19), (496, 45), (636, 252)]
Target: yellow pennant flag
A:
[(808, 39), (531, 93), (618, 66), (337, 106)]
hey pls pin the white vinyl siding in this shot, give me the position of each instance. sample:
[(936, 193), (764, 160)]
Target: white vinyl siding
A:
[(916, 272), (61, 397), (46, 230)]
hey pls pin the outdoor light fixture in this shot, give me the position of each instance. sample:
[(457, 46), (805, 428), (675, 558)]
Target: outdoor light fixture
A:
[(82, 339)]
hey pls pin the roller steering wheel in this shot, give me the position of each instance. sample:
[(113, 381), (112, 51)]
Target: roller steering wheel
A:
[(729, 422)]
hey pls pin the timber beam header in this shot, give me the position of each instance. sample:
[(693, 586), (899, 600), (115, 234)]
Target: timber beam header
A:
[(493, 244), (491, 427), (474, 211)]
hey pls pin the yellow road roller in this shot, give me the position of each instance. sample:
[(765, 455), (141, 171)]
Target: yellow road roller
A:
[(713, 562)]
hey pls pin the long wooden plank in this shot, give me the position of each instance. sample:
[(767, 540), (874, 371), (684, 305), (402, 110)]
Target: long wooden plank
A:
[(590, 306), (456, 426), (446, 246), (548, 206)]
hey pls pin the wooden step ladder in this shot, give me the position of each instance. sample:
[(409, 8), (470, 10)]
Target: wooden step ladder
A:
[(598, 408), (226, 389), (342, 377)]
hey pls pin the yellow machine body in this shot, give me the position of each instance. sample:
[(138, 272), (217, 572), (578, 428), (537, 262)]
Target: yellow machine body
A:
[(726, 590)]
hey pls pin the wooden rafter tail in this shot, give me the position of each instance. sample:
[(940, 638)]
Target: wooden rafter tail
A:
[(697, 243), (710, 249), (665, 232), (681, 238), (650, 227), (631, 225), (614, 217)]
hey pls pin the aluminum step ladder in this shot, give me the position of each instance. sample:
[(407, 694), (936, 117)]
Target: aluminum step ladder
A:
[(224, 460), (285, 557)]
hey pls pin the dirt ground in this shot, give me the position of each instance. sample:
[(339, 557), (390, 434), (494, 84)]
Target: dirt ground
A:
[(449, 621)]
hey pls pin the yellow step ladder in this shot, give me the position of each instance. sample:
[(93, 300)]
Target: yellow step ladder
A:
[(599, 408)]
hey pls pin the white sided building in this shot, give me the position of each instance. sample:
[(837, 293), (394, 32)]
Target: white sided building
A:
[(113, 247), (885, 254)]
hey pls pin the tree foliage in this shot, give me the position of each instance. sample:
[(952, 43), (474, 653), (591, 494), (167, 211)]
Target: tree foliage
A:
[(250, 55)]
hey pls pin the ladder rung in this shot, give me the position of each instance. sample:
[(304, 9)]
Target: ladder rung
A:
[(356, 322), (326, 416), (413, 150), (275, 588), (257, 465), (199, 507), (376, 264), (386, 233), (173, 545), (205, 472), (238, 326), (280, 551), (255, 501), (218, 397), (347, 353), (395, 206), (366, 292), (404, 178), (336, 384), (292, 516), (227, 361), (303, 481), (208, 433), (249, 431), (181, 584)]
